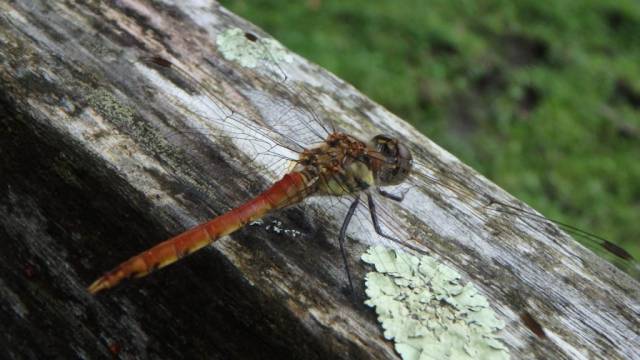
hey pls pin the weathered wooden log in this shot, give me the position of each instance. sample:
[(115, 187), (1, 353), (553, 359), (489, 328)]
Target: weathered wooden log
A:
[(96, 167)]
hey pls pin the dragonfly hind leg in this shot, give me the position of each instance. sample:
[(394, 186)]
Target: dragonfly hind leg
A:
[(376, 226), (341, 237)]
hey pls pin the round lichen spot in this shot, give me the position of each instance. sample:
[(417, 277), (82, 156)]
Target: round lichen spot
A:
[(248, 50), (424, 307)]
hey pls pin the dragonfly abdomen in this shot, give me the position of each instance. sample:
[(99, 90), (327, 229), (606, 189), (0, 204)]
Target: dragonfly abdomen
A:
[(291, 189)]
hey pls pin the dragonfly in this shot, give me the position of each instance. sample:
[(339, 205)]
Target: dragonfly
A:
[(338, 165)]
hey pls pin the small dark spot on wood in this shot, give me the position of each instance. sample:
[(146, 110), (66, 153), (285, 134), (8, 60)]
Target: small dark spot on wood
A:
[(158, 60), (250, 36), (122, 38), (532, 324)]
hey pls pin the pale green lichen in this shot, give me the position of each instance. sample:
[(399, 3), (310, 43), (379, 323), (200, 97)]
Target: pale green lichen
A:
[(423, 306), (248, 50)]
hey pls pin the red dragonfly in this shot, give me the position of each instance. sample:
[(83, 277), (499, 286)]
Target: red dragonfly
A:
[(339, 165)]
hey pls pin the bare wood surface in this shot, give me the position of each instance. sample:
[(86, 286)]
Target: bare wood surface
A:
[(84, 185)]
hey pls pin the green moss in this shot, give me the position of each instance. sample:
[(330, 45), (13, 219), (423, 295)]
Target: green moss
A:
[(109, 107), (123, 116), (424, 307)]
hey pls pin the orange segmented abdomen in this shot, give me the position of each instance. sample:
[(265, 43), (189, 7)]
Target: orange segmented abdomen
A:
[(289, 190)]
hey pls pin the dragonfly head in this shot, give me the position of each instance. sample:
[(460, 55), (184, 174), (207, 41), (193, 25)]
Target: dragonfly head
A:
[(391, 161)]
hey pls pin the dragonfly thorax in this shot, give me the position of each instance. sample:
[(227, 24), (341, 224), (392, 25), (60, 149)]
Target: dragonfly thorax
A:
[(344, 165)]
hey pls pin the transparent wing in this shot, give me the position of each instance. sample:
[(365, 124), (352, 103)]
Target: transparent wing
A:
[(271, 129), (436, 179), (288, 108)]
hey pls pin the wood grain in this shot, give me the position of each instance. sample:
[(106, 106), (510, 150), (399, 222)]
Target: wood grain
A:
[(94, 169)]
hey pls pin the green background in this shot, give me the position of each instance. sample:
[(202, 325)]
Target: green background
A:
[(541, 97)]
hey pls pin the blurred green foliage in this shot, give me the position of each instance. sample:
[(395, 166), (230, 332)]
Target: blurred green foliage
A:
[(541, 97)]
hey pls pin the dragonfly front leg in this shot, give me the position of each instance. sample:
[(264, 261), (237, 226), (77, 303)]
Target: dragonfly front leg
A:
[(376, 224), (374, 214)]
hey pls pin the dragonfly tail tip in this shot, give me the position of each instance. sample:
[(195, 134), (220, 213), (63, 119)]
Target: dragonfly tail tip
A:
[(98, 286)]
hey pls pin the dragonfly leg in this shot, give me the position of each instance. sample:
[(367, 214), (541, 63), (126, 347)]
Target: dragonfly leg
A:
[(376, 225), (341, 237), (391, 196), (374, 217)]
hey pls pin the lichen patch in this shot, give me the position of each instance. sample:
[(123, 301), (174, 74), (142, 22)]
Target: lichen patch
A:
[(428, 312), (249, 50)]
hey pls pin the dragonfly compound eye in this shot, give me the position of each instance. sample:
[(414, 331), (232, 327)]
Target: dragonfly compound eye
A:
[(393, 161)]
